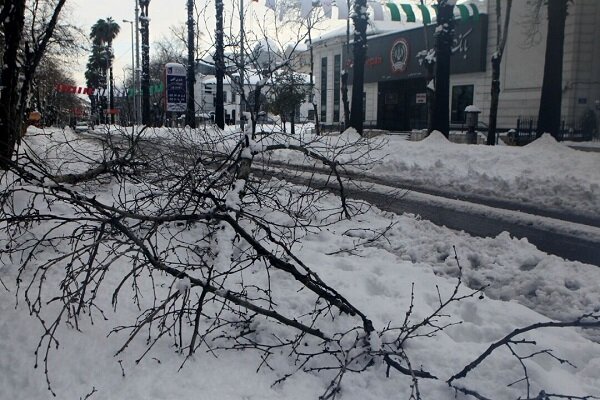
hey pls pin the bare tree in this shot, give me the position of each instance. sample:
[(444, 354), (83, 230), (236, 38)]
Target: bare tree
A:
[(551, 98), (501, 37), (443, 50), (219, 66), (360, 18), (20, 62), (190, 112), (145, 30)]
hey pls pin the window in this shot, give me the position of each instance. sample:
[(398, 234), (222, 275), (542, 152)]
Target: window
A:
[(337, 62), (224, 97), (233, 97), (462, 96), (323, 89)]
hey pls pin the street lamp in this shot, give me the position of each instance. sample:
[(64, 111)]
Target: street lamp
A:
[(133, 73)]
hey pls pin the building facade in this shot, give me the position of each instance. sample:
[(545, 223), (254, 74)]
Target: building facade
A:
[(395, 80)]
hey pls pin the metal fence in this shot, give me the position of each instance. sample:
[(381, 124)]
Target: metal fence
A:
[(526, 131)]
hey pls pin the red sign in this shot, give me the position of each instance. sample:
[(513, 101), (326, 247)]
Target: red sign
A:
[(111, 111), (62, 88)]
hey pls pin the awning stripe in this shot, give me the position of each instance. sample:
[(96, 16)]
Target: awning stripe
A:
[(395, 11), (464, 12), (425, 13), (408, 10)]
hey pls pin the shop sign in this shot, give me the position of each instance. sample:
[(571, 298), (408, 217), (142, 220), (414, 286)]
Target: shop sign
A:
[(399, 52), (421, 98), (175, 80)]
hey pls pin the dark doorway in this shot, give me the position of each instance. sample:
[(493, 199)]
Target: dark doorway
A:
[(400, 106)]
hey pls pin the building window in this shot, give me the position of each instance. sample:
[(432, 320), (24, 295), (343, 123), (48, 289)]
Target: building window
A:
[(224, 97), (337, 62), (323, 89), (462, 97), (233, 97), (311, 115)]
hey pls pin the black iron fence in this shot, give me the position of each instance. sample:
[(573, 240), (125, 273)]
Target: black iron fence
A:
[(526, 131)]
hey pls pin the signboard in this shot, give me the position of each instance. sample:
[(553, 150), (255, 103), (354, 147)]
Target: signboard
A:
[(395, 56), (175, 82), (421, 98)]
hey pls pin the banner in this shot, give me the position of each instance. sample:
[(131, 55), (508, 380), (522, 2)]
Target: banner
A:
[(63, 88), (175, 81)]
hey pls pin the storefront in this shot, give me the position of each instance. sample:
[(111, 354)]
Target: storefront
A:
[(394, 65)]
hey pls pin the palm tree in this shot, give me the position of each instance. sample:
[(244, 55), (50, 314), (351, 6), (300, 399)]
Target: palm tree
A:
[(103, 33), (95, 76)]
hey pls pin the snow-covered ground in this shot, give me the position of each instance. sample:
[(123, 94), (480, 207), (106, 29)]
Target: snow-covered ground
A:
[(545, 173), (375, 274)]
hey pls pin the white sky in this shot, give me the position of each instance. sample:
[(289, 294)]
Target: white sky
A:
[(163, 13)]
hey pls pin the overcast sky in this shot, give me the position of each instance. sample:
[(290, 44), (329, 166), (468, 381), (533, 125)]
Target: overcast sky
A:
[(163, 14)]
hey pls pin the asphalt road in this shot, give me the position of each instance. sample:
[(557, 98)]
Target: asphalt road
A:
[(479, 221), (475, 215)]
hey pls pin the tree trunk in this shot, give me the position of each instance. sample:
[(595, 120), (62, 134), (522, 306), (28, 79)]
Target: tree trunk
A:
[(430, 93), (443, 49), (111, 93), (345, 98), (312, 83), (491, 137), (10, 118), (293, 122), (360, 50), (219, 67), (146, 119), (190, 112), (550, 102), (501, 36), (345, 75)]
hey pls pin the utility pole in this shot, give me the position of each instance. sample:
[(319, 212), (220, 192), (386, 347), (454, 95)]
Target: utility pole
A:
[(219, 66), (242, 94), (136, 89), (133, 73)]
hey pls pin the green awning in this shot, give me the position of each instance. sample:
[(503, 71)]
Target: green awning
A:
[(408, 10), (425, 13), (395, 11)]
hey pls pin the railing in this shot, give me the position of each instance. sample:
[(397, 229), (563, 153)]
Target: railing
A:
[(526, 131)]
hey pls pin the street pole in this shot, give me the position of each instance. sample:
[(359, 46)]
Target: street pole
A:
[(242, 94), (136, 90), (145, 22), (133, 74)]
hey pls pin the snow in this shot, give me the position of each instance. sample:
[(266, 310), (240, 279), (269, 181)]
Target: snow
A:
[(545, 173), (183, 285), (472, 109), (525, 286)]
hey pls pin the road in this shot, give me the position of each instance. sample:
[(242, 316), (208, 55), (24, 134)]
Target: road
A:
[(568, 235)]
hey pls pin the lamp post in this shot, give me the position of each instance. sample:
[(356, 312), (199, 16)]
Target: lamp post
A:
[(471, 118), (133, 74)]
